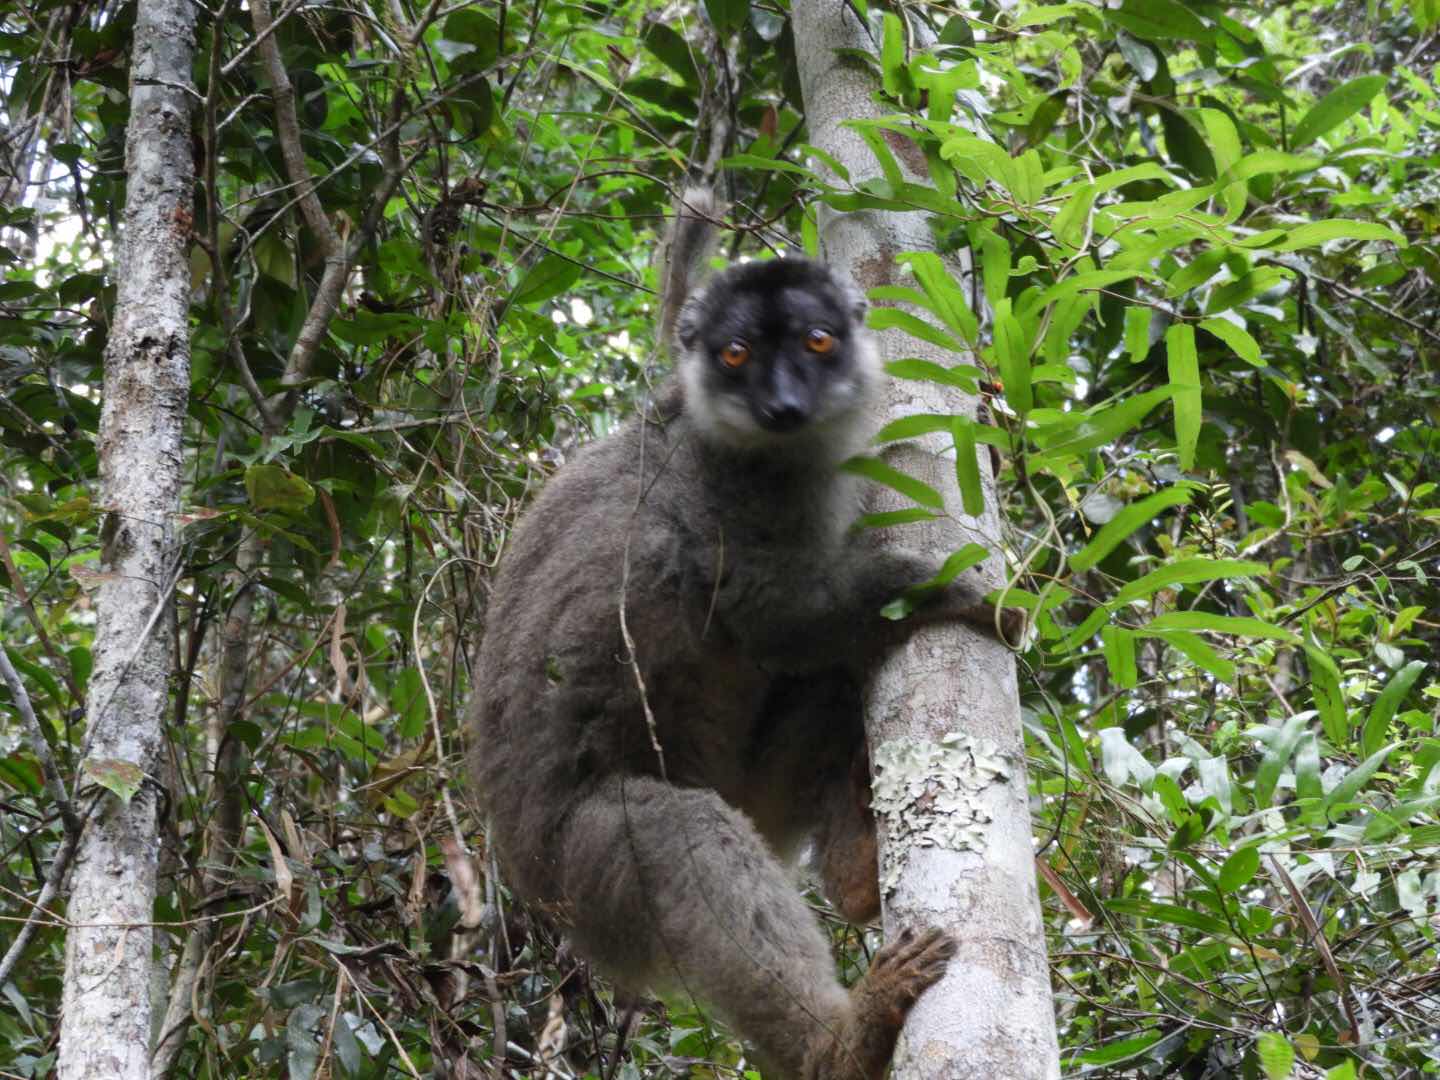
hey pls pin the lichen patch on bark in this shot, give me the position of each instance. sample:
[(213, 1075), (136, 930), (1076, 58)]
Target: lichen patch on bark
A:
[(927, 794)]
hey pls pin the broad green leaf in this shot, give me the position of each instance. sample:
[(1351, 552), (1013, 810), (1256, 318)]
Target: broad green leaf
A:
[(1185, 385), (1160, 20), (912, 427), (1308, 787), (980, 160), (894, 71), (1277, 1056), (891, 518), (1120, 656), (728, 15), (1071, 222), (882, 473), (884, 156), (967, 466), (1318, 232), (944, 296), (893, 318), (1197, 271), (1350, 785), (1137, 332), (1114, 531), (1084, 433), (1277, 756), (957, 562), (1195, 649), (1224, 142), (1221, 624), (962, 376), (1329, 698), (1239, 340), (1170, 914), (1151, 170), (1012, 358), (1244, 288), (1238, 869), (551, 276), (274, 487), (1383, 711), (1117, 1050), (1335, 108), (1091, 279), (671, 50), (994, 267), (1187, 572), (1268, 161)]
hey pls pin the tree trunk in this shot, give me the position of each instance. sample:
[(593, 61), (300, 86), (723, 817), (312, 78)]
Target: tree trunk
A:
[(943, 715), (106, 1027)]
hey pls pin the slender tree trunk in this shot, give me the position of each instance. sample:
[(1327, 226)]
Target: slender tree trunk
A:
[(943, 715), (105, 1031)]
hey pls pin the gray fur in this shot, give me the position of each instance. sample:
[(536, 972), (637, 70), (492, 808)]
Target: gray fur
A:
[(753, 614)]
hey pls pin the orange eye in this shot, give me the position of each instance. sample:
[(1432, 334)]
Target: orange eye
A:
[(819, 341), (735, 354)]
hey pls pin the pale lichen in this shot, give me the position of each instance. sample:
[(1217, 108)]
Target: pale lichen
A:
[(928, 795)]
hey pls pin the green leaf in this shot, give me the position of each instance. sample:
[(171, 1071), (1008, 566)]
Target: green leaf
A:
[(1318, 232), (1160, 20), (1224, 143), (945, 298), (1335, 108), (1328, 697), (1245, 288), (1350, 785), (912, 427), (1185, 385), (728, 15), (1119, 647), (1089, 280), (551, 276), (1193, 646), (895, 72), (274, 487), (1137, 332), (1277, 1056), (1383, 711), (469, 26), (1276, 757), (967, 466), (1238, 869), (1187, 572), (1239, 340), (672, 50), (962, 376), (1126, 522), (882, 473), (1080, 434), (994, 267), (884, 318), (1118, 1050), (1171, 914), (1222, 624), (1012, 358), (891, 518)]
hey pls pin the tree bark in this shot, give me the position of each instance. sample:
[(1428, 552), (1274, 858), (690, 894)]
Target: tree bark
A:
[(105, 1030), (943, 714)]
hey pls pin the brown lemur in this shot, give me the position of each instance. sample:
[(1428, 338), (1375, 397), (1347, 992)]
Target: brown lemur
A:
[(653, 796)]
